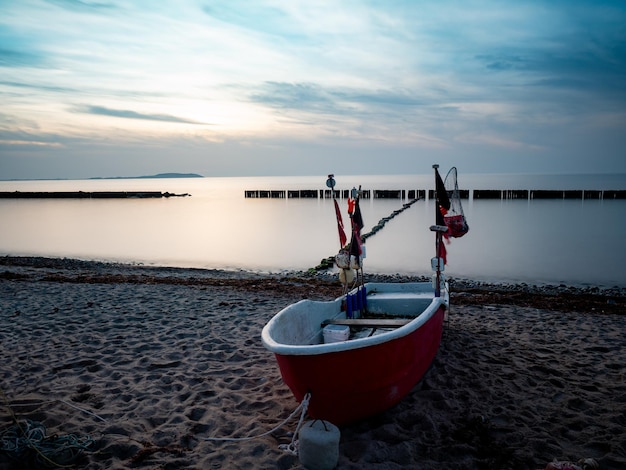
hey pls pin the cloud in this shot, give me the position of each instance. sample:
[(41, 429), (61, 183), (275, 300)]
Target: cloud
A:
[(17, 58), (313, 97), (80, 5), (301, 96), (575, 47), (56, 89), (129, 114), (29, 143)]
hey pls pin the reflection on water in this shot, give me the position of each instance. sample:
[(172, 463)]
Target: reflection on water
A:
[(570, 241)]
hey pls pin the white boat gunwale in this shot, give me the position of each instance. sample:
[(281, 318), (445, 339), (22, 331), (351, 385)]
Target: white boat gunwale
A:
[(334, 309)]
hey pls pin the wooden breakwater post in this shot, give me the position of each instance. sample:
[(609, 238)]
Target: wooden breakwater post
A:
[(266, 194), (415, 194), (343, 193), (612, 194), (578, 194), (389, 194), (555, 194), (547, 194), (500, 194), (463, 193), (303, 194)]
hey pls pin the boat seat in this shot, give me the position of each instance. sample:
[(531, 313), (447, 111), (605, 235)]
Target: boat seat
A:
[(370, 322)]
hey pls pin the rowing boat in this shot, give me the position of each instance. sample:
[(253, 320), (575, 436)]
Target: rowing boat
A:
[(391, 343)]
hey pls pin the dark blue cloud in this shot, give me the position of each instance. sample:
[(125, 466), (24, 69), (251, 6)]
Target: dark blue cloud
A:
[(303, 96), (19, 49), (128, 114), (56, 89), (315, 98), (578, 46), (592, 69), (16, 58)]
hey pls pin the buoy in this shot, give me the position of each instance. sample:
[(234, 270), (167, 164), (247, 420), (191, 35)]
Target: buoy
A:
[(346, 276), (318, 446), (349, 306), (358, 300), (364, 297)]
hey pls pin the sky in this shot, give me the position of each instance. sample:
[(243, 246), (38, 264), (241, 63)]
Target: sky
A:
[(294, 87)]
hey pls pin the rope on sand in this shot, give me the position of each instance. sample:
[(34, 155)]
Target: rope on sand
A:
[(15, 405), (27, 440), (84, 411), (292, 447)]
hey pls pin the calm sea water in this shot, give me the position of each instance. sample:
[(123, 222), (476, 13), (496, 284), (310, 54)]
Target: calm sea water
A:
[(577, 242)]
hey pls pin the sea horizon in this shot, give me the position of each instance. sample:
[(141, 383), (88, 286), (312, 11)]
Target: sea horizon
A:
[(616, 179)]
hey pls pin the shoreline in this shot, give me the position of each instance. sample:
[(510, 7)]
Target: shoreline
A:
[(315, 285)]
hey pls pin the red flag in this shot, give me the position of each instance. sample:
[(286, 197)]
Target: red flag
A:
[(342, 235), (443, 253)]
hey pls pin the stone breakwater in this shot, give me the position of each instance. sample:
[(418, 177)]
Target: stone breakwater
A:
[(88, 195)]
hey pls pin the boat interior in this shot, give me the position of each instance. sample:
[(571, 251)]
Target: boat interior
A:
[(387, 307)]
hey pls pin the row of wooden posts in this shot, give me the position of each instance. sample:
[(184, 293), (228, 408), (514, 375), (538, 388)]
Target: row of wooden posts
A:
[(421, 194)]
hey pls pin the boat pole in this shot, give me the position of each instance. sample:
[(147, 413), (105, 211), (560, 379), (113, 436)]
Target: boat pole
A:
[(330, 182), (437, 261), (361, 292), (438, 241)]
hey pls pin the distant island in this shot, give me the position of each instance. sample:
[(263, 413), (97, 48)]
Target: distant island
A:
[(160, 175)]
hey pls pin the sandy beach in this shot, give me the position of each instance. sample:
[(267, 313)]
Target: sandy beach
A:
[(149, 362)]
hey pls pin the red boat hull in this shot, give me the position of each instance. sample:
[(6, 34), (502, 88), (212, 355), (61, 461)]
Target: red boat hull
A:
[(349, 385)]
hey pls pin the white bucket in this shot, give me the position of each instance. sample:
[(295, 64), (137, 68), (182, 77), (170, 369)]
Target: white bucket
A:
[(336, 333)]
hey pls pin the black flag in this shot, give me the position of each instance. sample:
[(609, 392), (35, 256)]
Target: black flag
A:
[(442, 199)]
